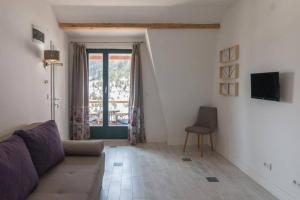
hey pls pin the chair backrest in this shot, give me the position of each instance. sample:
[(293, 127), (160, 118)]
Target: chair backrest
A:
[(207, 117)]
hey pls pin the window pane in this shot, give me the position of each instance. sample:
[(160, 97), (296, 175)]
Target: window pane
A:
[(96, 88), (119, 88)]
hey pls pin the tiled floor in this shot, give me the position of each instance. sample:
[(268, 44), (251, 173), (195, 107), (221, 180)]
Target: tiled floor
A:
[(157, 172)]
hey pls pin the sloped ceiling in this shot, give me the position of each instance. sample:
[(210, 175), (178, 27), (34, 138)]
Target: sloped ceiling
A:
[(176, 11), (139, 2), (106, 33)]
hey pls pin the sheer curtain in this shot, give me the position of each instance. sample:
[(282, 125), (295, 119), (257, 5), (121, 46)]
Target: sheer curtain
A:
[(136, 106), (79, 124)]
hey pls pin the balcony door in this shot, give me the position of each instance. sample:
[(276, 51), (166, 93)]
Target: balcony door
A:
[(109, 90)]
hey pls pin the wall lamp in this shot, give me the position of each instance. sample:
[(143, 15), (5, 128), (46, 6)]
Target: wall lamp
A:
[(51, 57)]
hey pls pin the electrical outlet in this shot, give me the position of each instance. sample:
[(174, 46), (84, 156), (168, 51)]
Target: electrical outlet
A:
[(268, 166), (45, 82), (296, 183), (265, 164)]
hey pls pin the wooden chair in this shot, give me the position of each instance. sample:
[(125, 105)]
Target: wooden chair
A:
[(206, 124)]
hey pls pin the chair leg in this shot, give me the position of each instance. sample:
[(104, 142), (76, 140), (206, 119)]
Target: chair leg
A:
[(186, 139), (202, 144), (211, 142), (198, 142)]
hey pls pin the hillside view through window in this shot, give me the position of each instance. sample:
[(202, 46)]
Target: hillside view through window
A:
[(117, 90)]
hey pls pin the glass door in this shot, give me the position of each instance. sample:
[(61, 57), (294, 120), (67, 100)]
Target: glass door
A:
[(109, 90)]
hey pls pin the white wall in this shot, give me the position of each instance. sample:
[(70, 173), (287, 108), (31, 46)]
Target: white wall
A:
[(154, 120), (251, 131), (23, 93), (183, 62), (177, 73)]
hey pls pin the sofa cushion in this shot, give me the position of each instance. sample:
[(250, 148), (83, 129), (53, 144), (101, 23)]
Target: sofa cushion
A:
[(44, 145), (77, 177), (83, 147), (18, 177)]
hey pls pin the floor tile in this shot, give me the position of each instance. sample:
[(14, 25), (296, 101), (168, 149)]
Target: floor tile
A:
[(157, 172)]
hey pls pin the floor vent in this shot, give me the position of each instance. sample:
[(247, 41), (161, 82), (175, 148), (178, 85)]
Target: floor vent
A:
[(118, 164), (186, 159), (212, 179)]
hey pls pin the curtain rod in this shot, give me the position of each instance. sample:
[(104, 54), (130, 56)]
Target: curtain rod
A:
[(139, 42)]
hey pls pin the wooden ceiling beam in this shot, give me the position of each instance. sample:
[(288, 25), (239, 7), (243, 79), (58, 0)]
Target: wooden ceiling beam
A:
[(138, 26)]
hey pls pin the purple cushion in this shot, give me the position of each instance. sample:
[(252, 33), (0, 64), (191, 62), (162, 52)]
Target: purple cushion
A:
[(44, 145), (18, 177)]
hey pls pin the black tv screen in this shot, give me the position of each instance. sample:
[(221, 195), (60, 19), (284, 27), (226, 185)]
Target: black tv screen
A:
[(265, 86)]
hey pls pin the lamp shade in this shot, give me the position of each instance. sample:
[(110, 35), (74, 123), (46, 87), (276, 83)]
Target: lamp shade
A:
[(51, 56)]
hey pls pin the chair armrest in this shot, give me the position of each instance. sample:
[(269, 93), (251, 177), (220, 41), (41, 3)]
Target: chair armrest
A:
[(83, 148)]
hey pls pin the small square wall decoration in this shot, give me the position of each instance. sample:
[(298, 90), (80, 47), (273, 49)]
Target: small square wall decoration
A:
[(231, 54), (225, 72), (233, 89), (224, 89), (225, 56), (229, 72), (234, 53)]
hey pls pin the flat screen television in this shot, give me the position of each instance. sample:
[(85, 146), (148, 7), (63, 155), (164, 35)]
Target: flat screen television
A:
[(265, 86)]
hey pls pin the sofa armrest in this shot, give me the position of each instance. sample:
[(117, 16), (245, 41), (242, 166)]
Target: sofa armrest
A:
[(83, 148)]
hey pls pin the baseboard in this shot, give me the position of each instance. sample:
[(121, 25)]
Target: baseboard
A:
[(155, 139), (274, 189)]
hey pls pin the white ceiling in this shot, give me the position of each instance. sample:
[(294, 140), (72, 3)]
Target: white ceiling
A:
[(142, 14), (137, 11), (138, 2)]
